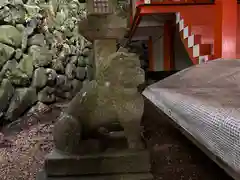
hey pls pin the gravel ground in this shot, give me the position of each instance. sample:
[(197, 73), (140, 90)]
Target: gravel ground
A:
[(24, 147), (25, 144)]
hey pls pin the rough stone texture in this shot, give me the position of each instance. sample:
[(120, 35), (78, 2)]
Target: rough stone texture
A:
[(102, 26), (39, 40), (26, 65), (47, 95), (23, 99), (80, 73), (41, 56), (6, 53), (103, 49), (70, 71), (18, 77), (129, 176), (58, 164), (6, 93), (10, 35), (76, 86), (112, 97), (39, 78)]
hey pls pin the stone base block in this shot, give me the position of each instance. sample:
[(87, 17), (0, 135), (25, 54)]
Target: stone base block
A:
[(114, 162), (133, 176)]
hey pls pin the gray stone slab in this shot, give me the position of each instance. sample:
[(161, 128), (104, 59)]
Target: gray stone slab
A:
[(133, 176), (58, 164)]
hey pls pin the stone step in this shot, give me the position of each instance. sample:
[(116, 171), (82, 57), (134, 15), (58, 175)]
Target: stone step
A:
[(120, 162), (133, 176)]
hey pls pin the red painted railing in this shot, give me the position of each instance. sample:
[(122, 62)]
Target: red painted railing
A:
[(176, 1), (216, 23)]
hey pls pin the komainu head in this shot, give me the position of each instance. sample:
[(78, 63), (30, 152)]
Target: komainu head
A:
[(121, 69)]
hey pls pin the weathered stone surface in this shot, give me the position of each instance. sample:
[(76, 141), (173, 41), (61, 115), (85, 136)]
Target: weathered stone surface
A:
[(39, 78), (61, 80), (37, 39), (81, 61), (112, 97), (90, 59), (129, 176), (10, 35), (46, 95), (90, 73), (116, 162), (6, 52), (20, 27), (41, 56), (23, 99), (76, 86), (103, 27), (80, 73), (70, 71), (52, 76), (67, 86), (26, 65), (86, 52), (9, 66), (57, 65), (34, 34), (74, 60), (69, 127), (6, 93), (18, 77), (16, 14), (18, 54)]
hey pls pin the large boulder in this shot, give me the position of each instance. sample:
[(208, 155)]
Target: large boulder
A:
[(6, 52), (18, 77), (16, 14), (10, 35), (37, 39), (23, 99), (8, 66), (6, 93), (26, 65), (41, 55)]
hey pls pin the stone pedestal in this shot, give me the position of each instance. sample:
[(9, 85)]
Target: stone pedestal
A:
[(112, 165)]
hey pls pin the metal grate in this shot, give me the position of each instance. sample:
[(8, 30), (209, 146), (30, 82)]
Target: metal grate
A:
[(102, 6)]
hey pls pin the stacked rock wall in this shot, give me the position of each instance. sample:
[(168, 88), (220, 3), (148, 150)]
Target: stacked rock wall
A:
[(42, 55)]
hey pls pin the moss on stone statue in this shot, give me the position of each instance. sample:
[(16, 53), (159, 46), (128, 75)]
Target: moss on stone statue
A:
[(111, 97)]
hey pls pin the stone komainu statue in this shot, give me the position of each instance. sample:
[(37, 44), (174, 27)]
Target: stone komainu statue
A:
[(111, 97)]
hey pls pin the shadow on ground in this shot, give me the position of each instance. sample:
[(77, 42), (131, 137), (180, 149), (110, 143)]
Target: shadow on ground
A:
[(174, 157)]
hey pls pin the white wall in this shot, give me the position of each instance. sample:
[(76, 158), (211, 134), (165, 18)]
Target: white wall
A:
[(181, 58), (158, 53)]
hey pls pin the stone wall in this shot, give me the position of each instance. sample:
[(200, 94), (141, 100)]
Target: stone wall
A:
[(42, 56)]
